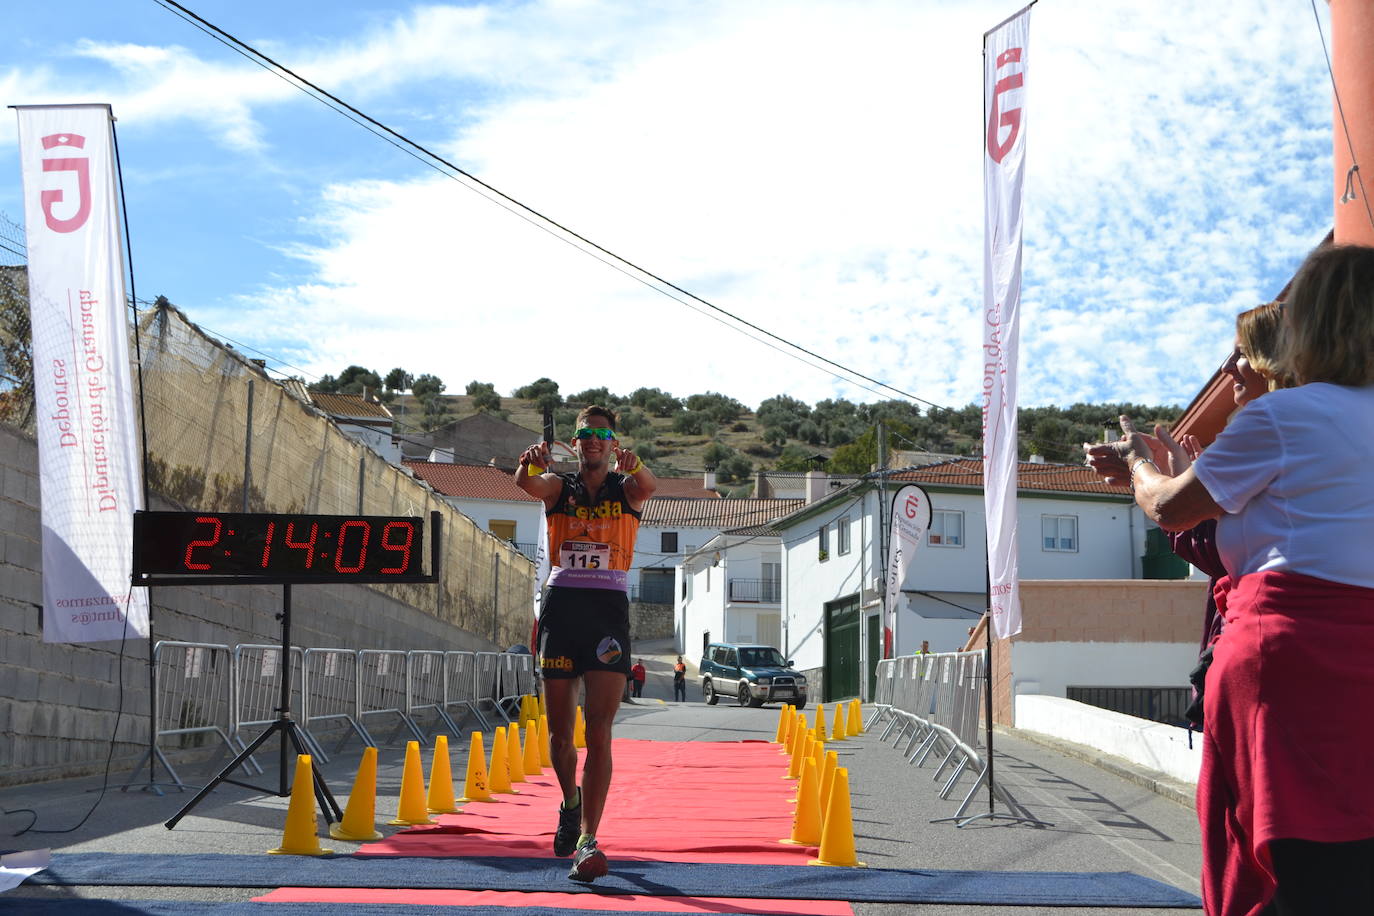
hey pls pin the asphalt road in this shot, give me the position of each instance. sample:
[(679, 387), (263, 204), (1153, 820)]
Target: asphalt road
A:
[(1102, 821)]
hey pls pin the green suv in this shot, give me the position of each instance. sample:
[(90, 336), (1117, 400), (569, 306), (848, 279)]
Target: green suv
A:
[(753, 675)]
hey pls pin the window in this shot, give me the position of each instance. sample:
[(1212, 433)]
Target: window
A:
[(946, 528), (502, 528), (824, 552), (668, 542), (842, 535), (1059, 532)]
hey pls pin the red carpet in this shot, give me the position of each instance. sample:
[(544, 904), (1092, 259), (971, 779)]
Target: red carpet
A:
[(630, 903), (669, 802)]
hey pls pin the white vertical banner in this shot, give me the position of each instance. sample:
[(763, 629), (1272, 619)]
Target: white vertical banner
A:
[(910, 522), (1005, 62), (542, 563), (88, 457)]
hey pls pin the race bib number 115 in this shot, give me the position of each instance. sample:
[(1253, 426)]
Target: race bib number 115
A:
[(584, 555)]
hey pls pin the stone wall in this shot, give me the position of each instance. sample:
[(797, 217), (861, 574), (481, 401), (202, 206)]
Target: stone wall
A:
[(651, 621), (59, 702)]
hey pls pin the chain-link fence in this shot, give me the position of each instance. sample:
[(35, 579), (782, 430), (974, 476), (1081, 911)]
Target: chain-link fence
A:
[(16, 350), (224, 436)]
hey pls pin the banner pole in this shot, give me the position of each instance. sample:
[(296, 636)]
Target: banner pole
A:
[(143, 442)]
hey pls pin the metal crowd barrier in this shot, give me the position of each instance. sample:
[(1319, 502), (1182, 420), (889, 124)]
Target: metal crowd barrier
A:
[(210, 691), (487, 677), (193, 699), (932, 703), (257, 689), (331, 693), (460, 685), (425, 686), (382, 687)]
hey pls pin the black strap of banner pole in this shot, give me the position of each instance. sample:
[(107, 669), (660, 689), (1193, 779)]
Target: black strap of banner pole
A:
[(143, 439)]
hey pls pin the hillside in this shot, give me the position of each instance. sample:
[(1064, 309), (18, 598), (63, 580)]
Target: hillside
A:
[(682, 437)]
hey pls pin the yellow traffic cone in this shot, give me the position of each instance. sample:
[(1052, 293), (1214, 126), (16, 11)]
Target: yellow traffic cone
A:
[(412, 808), (800, 751), (515, 759), (806, 825), (781, 736), (475, 786), (299, 838), (832, 763), (820, 722), (360, 814), (545, 755), (579, 730), (440, 800), (838, 731), (499, 771), (542, 710), (531, 761), (856, 718), (837, 838), (818, 755)]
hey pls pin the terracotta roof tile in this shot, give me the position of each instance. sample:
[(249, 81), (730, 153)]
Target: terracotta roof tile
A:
[(968, 472), (349, 405), (669, 512), (469, 481)]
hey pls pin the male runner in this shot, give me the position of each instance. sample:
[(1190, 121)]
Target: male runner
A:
[(584, 625)]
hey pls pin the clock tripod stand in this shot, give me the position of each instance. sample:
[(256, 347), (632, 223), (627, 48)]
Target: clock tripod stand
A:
[(289, 732)]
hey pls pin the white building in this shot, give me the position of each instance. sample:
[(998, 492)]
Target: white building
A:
[(832, 550)]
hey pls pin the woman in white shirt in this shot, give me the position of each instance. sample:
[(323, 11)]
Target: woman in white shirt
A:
[(1285, 799)]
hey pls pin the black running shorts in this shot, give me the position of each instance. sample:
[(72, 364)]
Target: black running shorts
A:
[(584, 629)]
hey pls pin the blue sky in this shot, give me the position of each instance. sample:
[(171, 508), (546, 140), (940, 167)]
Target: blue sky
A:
[(813, 167)]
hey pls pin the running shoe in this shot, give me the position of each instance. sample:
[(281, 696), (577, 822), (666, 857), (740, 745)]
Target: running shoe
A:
[(589, 863), (569, 828)]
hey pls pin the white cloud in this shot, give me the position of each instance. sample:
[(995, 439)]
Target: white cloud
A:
[(810, 167)]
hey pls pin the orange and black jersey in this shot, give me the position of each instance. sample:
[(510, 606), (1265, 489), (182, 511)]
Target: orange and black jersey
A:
[(592, 536)]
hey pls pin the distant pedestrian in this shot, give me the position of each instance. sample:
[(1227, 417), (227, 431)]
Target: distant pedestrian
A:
[(638, 673), (680, 680)]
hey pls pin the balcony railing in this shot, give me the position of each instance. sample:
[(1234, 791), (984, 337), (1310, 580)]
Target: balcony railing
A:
[(764, 591), (653, 592)]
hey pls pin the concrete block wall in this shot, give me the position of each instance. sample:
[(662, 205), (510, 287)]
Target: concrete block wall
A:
[(651, 621), (1098, 619), (58, 701)]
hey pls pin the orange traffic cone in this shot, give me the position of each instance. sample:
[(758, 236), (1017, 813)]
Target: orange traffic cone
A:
[(837, 732), (299, 838), (515, 755), (579, 730), (498, 773), (412, 809), (545, 754), (360, 814), (806, 825), (820, 722), (856, 718), (475, 786), (440, 800), (531, 762), (837, 838)]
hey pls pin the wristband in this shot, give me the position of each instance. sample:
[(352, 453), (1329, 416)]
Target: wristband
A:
[(639, 466), (534, 470), (1135, 464)]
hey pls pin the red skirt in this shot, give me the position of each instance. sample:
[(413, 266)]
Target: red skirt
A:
[(1288, 752)]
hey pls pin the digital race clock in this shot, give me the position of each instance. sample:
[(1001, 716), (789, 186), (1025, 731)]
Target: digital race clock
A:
[(237, 547)]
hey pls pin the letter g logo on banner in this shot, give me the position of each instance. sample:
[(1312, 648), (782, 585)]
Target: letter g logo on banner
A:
[(82, 168), (1012, 117)]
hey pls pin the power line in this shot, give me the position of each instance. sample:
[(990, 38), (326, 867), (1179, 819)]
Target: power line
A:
[(528, 213)]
